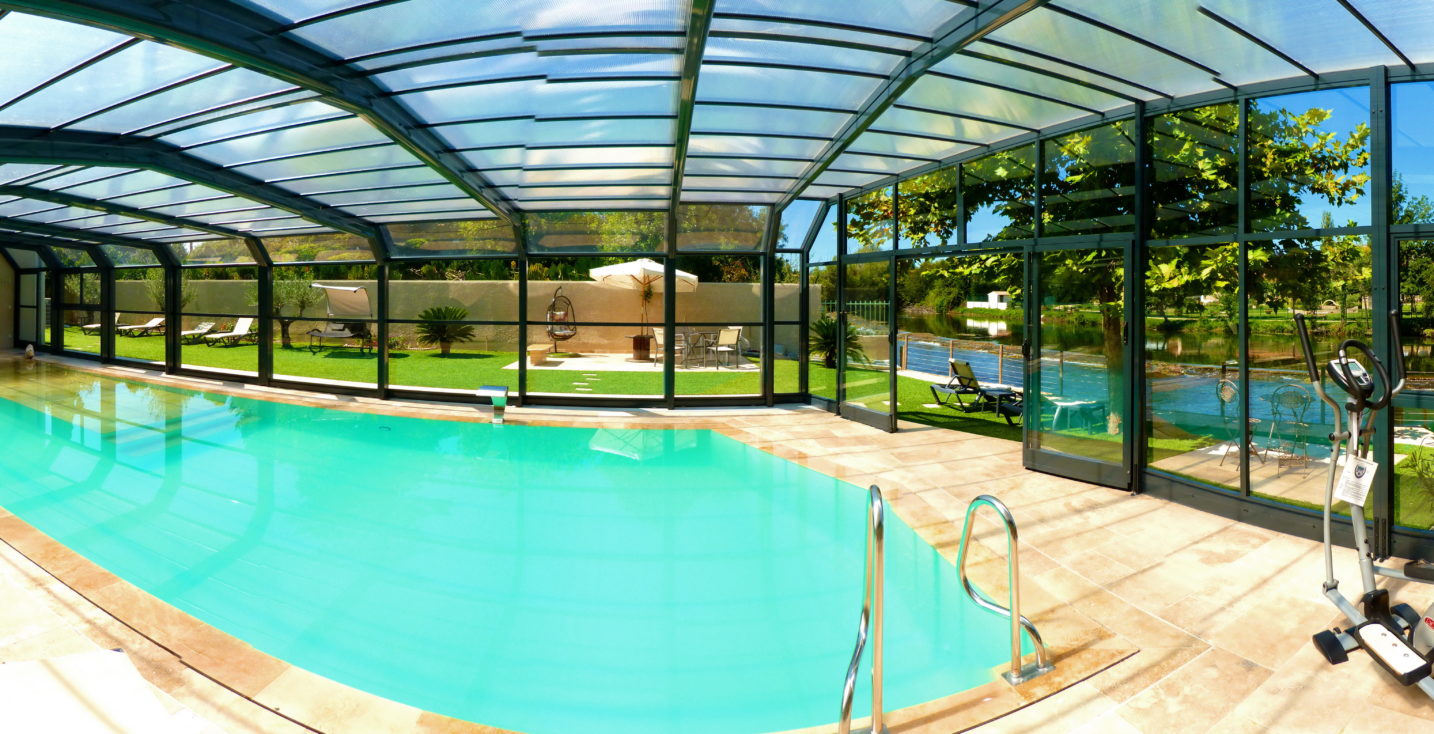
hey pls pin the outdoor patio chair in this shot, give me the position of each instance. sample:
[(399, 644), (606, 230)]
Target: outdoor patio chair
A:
[(729, 341), (357, 331), (346, 304), (243, 329), (193, 336), (93, 329), (1289, 433), (679, 346), (962, 383), (149, 327)]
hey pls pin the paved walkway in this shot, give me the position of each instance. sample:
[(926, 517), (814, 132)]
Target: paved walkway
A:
[(1185, 621)]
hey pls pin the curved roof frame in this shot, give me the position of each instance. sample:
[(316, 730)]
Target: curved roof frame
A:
[(59, 197), (39, 233), (72, 147), (249, 39)]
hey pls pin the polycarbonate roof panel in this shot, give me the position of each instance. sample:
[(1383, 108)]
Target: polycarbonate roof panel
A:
[(566, 103)]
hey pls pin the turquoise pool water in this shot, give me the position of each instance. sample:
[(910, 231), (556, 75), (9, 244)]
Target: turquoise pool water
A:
[(534, 578)]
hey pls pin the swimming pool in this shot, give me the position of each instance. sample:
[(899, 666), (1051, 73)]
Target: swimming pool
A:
[(534, 578)]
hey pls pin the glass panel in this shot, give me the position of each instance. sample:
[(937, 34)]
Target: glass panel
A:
[(1309, 160), (1196, 165), (25, 258), (81, 289), (139, 314), (967, 308), (999, 195), (1412, 145), (478, 354), (1413, 436), (867, 301), (1088, 185), (331, 337), (219, 329), (1329, 281), (721, 227), (41, 49), (796, 223), (787, 286), (1081, 357), (211, 252), (617, 231), (926, 209), (568, 351), (478, 236), (318, 248), (823, 349), (28, 289), (870, 220), (121, 256), (718, 359), (82, 330), (483, 290), (719, 289), (1193, 387), (73, 257), (1416, 301), (29, 326)]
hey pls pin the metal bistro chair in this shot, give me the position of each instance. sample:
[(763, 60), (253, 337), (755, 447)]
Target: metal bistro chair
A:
[(728, 342), (1288, 405), (680, 350), (1229, 395)]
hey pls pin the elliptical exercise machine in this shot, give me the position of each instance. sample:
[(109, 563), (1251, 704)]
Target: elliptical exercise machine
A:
[(1397, 637)]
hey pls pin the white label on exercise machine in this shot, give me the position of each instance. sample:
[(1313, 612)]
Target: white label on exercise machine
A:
[(1355, 480)]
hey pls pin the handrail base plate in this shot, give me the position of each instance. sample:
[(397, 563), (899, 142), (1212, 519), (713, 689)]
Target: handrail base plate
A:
[(1028, 671)]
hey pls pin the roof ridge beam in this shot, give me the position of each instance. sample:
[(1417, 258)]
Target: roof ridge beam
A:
[(60, 197), (252, 40), (699, 23), (72, 147), (962, 31)]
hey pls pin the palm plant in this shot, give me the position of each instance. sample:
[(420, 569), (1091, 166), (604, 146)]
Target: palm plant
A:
[(827, 342), (435, 329)]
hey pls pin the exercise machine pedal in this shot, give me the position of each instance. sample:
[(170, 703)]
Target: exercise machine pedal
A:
[(1330, 646), (1392, 652), (1422, 570)]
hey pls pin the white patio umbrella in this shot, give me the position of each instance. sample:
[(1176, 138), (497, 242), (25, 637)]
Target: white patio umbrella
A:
[(641, 275)]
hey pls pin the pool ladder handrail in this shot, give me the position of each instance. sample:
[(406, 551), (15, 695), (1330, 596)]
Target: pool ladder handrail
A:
[(1018, 673), (871, 618)]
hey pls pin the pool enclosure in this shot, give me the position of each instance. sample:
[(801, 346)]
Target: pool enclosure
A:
[(1114, 207)]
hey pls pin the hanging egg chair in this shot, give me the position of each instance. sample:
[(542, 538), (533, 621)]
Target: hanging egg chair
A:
[(561, 318)]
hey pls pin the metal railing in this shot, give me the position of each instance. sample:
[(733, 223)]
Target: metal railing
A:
[(871, 619), (1018, 673)]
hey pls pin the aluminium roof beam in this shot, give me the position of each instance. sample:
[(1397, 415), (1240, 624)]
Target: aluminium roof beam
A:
[(247, 38), (60, 197), (73, 147), (75, 237), (699, 22), (962, 31)]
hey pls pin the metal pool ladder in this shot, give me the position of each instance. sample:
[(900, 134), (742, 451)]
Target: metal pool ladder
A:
[(1018, 673), (871, 618)]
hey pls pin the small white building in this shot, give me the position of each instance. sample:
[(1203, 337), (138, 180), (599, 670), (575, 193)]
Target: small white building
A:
[(995, 299)]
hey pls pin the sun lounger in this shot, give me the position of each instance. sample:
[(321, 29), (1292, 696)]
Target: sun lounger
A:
[(155, 324), (193, 336), (243, 329), (349, 312), (93, 329), (962, 384)]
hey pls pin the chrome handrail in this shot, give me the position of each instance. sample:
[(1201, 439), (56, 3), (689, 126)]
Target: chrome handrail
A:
[(871, 618), (1018, 673)]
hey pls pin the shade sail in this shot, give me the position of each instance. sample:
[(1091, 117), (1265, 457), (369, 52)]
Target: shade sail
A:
[(346, 302)]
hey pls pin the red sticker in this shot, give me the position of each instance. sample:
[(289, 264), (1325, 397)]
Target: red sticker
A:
[(1430, 622)]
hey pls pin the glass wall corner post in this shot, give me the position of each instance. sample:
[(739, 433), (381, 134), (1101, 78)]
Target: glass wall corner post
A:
[(1242, 226), (769, 311), (54, 295), (521, 235), (891, 311), (1384, 297), (669, 312), (804, 312), (107, 303), (383, 247), (264, 277), (839, 278), (1136, 262), (173, 310)]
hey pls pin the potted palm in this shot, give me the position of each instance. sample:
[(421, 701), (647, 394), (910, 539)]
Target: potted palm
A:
[(436, 327), (827, 341)]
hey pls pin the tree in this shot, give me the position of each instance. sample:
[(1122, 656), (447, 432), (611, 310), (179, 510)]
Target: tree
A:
[(293, 294), (155, 287), (827, 340)]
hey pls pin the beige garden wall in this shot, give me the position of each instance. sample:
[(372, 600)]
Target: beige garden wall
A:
[(719, 303)]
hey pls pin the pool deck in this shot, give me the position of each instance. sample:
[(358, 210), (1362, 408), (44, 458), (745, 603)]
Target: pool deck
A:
[(1163, 618)]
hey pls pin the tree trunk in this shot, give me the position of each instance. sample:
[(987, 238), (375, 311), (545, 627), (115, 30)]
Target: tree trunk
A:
[(443, 348), (829, 360), (1111, 326), (284, 340)]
